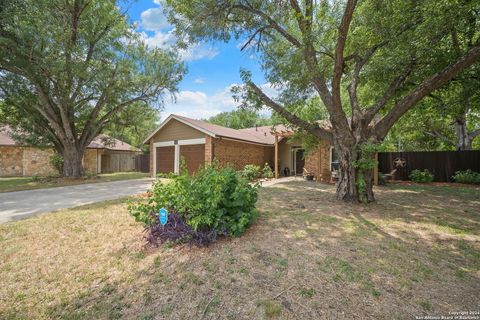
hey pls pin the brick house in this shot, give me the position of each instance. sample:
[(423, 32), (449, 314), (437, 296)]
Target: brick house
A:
[(103, 155), (199, 142)]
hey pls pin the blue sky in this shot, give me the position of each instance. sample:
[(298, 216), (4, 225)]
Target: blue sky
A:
[(212, 67)]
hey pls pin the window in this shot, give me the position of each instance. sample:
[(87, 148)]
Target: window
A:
[(334, 161)]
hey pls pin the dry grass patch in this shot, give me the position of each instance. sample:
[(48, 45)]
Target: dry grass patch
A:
[(307, 256)]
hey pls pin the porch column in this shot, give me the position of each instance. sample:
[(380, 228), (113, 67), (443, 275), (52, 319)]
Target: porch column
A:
[(276, 156)]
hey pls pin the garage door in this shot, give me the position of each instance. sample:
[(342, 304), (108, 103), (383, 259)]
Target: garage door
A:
[(165, 159), (193, 155)]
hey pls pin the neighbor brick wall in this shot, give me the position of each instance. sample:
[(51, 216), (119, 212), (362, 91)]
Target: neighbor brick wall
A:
[(31, 161), (238, 154), (36, 162), (90, 160), (11, 161)]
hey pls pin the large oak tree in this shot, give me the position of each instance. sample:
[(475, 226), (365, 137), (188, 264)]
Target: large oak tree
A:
[(68, 67), (365, 60)]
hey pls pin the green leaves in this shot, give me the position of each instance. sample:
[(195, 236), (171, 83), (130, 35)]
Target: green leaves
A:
[(68, 68), (212, 199)]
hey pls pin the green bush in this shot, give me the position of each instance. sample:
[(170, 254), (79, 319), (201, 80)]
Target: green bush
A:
[(251, 172), (212, 199), (267, 171), (169, 175), (56, 160), (421, 176), (468, 176)]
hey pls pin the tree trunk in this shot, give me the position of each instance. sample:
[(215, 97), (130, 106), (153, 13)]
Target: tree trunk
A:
[(354, 184), (461, 133), (72, 162)]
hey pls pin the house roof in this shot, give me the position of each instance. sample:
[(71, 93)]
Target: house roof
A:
[(102, 141), (5, 138), (261, 135)]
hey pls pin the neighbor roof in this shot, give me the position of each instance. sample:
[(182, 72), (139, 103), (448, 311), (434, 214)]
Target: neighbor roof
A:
[(5, 138), (261, 135), (102, 141)]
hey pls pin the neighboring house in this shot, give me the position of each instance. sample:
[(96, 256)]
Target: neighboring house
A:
[(103, 155), (199, 142)]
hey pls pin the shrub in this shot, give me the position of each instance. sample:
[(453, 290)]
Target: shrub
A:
[(267, 171), (251, 172), (212, 201), (421, 176), (177, 231), (468, 176), (169, 175), (56, 160)]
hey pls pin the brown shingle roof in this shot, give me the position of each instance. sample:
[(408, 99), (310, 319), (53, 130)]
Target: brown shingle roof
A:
[(102, 141), (249, 134), (262, 135)]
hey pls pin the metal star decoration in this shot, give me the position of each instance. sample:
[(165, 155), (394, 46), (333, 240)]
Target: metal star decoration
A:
[(399, 163)]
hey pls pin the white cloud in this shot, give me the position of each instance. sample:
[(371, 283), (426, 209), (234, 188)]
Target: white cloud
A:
[(199, 105), (199, 80), (198, 51), (153, 19), (165, 40), (163, 37), (160, 39)]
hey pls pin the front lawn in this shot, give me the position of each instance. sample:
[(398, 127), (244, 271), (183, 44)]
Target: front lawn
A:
[(415, 252), (8, 184)]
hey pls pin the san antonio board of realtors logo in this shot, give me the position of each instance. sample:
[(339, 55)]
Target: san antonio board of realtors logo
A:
[(399, 163)]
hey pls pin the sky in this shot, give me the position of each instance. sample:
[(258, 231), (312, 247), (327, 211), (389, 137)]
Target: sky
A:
[(213, 68)]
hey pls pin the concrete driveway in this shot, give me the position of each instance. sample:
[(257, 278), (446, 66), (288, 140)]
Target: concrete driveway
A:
[(22, 204)]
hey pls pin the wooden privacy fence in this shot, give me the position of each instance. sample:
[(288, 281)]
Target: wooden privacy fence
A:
[(443, 164), (142, 163)]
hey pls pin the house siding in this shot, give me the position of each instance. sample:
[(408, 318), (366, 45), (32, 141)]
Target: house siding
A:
[(175, 130)]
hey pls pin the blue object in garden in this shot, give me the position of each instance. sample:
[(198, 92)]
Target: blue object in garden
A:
[(163, 216)]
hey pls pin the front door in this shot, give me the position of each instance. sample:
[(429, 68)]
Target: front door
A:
[(299, 161)]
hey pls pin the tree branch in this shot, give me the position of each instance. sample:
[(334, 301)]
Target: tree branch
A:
[(474, 134), (392, 88), (290, 38), (425, 88), (307, 126), (339, 48)]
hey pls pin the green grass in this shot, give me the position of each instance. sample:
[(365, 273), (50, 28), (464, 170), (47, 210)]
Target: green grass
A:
[(9, 184)]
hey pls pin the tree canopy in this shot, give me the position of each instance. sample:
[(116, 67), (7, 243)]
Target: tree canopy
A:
[(240, 118), (68, 68)]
